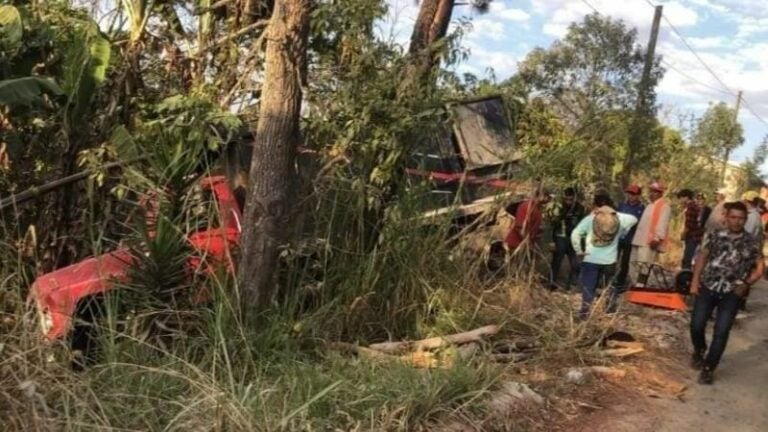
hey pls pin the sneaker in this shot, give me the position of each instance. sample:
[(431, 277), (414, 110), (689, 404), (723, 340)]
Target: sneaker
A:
[(706, 377), (697, 361)]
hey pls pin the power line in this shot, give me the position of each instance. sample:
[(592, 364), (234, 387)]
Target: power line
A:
[(680, 36), (752, 111), (689, 77), (706, 66), (586, 2)]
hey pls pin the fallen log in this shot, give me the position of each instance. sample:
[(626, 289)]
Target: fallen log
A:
[(435, 342), (623, 344), (622, 352), (359, 351)]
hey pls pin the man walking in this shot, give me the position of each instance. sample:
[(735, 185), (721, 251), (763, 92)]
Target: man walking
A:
[(633, 205), (564, 221), (692, 231), (651, 234), (728, 264), (602, 230)]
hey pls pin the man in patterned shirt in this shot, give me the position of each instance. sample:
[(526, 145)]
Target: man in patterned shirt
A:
[(729, 263)]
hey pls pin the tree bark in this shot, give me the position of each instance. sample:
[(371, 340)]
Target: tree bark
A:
[(268, 207), (431, 25)]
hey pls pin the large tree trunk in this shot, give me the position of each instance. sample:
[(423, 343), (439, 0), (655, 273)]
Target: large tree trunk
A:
[(268, 206), (431, 25)]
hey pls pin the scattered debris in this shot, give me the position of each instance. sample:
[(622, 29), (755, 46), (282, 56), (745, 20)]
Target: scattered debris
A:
[(581, 374), (436, 342), (576, 376), (512, 393)]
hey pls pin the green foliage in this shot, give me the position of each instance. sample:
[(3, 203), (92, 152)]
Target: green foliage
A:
[(11, 31), (27, 91), (719, 131), (86, 59)]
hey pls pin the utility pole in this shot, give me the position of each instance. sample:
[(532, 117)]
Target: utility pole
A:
[(735, 121), (641, 111)]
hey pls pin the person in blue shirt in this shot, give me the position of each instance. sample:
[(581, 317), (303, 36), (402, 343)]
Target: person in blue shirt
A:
[(633, 205), (599, 253)]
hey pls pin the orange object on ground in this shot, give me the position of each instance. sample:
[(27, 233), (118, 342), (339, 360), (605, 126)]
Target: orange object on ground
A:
[(662, 299)]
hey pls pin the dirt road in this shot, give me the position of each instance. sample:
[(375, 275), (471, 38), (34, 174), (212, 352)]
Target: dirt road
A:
[(738, 401)]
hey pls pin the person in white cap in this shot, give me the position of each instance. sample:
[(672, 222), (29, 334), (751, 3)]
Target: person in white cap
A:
[(651, 234)]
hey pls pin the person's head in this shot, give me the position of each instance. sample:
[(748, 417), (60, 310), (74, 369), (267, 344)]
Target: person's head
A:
[(569, 196), (655, 191), (601, 199), (721, 194), (760, 204), (685, 196), (735, 216), (542, 196), (633, 193), (701, 199), (750, 198)]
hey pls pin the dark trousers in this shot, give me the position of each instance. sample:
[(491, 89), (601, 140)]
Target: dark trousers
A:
[(689, 251), (563, 249), (620, 282), (727, 307), (592, 276)]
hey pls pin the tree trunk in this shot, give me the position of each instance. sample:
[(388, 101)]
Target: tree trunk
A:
[(431, 25), (268, 206)]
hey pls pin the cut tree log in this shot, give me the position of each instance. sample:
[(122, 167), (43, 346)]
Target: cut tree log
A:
[(622, 352), (360, 351), (435, 342), (623, 344)]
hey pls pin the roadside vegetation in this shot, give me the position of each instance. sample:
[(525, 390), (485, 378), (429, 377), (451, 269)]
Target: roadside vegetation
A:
[(146, 106)]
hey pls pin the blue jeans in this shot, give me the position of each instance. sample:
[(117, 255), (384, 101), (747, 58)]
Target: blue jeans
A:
[(727, 307), (689, 251), (563, 248), (592, 276)]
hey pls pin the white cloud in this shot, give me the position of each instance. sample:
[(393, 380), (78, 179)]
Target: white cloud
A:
[(487, 28), (707, 42), (498, 9), (636, 13)]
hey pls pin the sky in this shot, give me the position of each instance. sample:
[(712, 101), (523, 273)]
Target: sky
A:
[(730, 37)]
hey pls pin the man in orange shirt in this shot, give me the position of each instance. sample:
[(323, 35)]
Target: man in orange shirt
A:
[(651, 234)]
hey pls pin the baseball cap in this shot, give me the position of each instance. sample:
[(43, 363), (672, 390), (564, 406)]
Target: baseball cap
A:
[(656, 186), (633, 189)]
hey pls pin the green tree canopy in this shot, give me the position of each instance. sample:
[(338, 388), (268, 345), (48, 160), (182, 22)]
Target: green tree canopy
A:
[(718, 131)]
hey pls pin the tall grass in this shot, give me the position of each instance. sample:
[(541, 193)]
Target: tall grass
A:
[(167, 362)]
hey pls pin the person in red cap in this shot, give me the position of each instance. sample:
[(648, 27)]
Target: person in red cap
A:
[(651, 234), (633, 205)]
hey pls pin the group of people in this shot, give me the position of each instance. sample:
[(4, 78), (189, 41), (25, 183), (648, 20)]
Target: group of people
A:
[(615, 246)]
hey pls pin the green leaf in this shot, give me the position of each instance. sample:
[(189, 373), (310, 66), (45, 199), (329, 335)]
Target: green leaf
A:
[(85, 68), (26, 91), (11, 30)]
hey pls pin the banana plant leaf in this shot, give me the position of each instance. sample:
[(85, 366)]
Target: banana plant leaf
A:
[(27, 91)]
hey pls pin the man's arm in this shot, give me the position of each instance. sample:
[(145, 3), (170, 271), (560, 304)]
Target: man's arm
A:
[(663, 226), (759, 270), (698, 268), (578, 233)]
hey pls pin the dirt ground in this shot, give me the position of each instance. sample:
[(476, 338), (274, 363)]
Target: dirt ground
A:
[(737, 402)]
